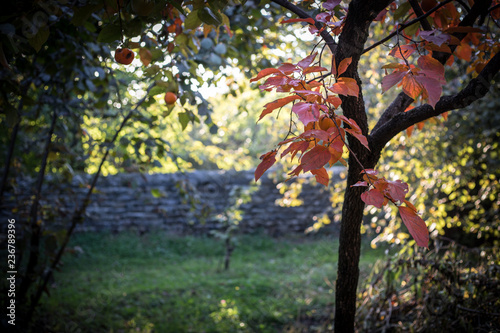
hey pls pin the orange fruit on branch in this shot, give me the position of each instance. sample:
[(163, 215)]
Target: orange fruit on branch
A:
[(170, 98), (124, 56)]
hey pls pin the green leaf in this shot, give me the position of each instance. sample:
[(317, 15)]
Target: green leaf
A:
[(208, 16), (157, 193), (192, 21), (40, 38), (109, 34), (183, 119), (156, 90), (402, 10), (82, 14)]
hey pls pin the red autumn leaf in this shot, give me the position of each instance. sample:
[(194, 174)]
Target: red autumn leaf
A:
[(344, 64), (265, 72), (304, 63), (268, 160), (295, 147), (402, 51), (397, 190), (321, 175), (373, 197), (270, 107), (314, 69), (288, 68), (315, 158), (345, 86), (416, 226), (306, 112), (435, 36), (308, 20)]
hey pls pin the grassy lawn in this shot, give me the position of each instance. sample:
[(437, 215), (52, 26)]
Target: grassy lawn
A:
[(165, 283)]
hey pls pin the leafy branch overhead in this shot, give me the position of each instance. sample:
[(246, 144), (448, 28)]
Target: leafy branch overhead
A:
[(320, 97)]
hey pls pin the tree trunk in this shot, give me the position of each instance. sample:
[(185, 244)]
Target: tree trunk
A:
[(349, 253)]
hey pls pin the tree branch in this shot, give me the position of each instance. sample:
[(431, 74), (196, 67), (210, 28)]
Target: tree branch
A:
[(302, 14), (407, 24), (476, 89), (402, 101)]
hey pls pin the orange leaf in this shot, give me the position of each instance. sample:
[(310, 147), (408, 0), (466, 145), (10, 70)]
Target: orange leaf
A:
[(464, 51), (345, 86), (270, 107), (344, 64), (416, 226), (265, 72), (410, 86), (268, 160), (359, 136), (403, 51), (321, 175), (145, 56)]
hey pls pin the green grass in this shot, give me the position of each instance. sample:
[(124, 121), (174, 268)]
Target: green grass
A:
[(165, 283)]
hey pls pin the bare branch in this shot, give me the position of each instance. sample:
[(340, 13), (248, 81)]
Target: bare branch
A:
[(407, 24)]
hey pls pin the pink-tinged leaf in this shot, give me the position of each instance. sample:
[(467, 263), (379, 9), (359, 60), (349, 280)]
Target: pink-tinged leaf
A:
[(288, 68), (321, 175), (308, 20), (431, 68), (304, 63), (315, 158), (345, 86), (296, 147), (265, 72), (306, 112), (397, 190), (373, 197), (270, 107), (314, 69), (390, 80), (359, 136), (275, 82), (360, 183), (435, 36), (317, 134), (331, 4), (432, 87), (403, 51), (411, 87), (416, 226), (410, 205), (324, 17), (344, 64), (351, 122), (268, 160)]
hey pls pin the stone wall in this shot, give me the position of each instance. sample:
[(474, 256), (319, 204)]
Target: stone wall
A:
[(188, 202)]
